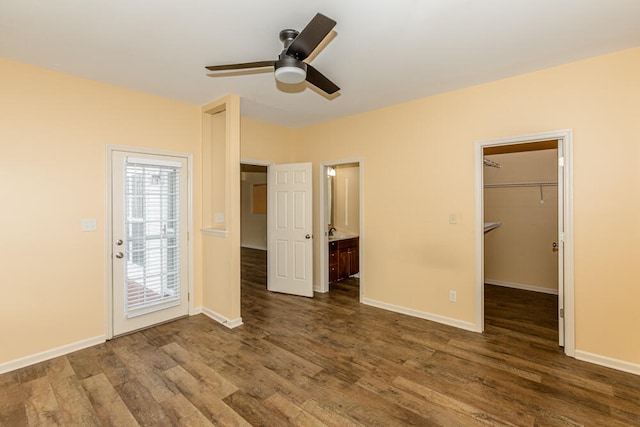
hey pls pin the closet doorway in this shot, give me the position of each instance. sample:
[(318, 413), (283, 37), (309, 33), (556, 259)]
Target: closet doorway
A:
[(523, 192)]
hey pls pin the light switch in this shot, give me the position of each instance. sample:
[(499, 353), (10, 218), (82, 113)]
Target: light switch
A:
[(219, 217), (89, 224), (453, 218)]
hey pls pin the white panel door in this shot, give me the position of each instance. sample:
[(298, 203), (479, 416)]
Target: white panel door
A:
[(290, 243), (149, 239)]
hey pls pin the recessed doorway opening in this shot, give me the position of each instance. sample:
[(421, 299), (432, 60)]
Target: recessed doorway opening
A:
[(527, 201), (253, 222), (520, 247)]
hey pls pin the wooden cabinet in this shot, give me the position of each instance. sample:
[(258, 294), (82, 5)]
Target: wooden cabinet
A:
[(333, 261), (344, 258)]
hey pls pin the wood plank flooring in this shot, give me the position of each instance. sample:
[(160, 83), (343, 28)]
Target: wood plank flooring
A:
[(327, 361)]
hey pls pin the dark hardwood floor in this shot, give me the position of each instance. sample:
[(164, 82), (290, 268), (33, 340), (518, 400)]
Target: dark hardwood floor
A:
[(529, 313), (327, 361)]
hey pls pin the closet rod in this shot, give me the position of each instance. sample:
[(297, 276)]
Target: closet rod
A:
[(522, 184)]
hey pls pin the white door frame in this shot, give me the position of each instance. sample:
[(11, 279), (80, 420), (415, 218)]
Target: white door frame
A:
[(108, 225), (324, 235), (254, 162), (566, 136)]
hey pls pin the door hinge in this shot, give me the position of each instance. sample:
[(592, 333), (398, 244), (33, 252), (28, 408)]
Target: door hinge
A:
[(188, 296), (561, 162), (562, 236), (188, 237), (562, 313)]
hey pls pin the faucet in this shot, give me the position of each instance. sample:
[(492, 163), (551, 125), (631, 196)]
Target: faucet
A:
[(331, 230)]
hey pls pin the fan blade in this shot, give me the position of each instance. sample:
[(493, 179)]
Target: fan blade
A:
[(309, 38), (245, 65), (318, 79)]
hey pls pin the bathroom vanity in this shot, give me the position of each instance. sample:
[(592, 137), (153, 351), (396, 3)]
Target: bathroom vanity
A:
[(344, 258)]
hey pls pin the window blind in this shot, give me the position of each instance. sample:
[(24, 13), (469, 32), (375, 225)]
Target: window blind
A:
[(152, 231)]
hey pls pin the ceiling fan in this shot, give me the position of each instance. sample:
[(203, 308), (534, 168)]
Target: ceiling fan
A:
[(290, 67)]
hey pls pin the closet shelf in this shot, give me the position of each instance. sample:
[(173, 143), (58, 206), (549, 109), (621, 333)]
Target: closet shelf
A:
[(491, 163), (522, 184)]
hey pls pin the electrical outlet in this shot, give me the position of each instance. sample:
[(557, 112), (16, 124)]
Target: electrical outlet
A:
[(452, 296), (453, 218)]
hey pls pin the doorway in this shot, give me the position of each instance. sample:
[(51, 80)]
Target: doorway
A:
[(561, 245), (277, 218), (253, 222), (148, 223), (520, 248), (253, 225), (341, 226), (253, 206)]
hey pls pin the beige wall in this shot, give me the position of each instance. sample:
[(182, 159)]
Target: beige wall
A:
[(55, 128), (221, 242), (254, 226), (413, 256), (214, 180), (265, 142), (53, 132), (520, 252), (347, 193)]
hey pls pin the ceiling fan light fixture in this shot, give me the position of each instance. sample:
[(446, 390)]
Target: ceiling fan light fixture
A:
[(290, 70), (290, 75), (290, 67)]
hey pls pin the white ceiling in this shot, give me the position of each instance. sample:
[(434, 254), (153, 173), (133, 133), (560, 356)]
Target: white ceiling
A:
[(382, 52)]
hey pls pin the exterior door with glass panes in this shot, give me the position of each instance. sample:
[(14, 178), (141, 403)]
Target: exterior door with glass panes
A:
[(149, 240)]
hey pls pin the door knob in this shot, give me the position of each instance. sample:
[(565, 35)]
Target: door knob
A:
[(555, 245), (308, 236), (119, 242), (119, 255)]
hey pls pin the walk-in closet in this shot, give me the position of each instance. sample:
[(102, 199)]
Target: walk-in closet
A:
[(521, 229)]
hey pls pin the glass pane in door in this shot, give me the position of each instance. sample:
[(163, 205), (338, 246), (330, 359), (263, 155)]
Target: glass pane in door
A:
[(152, 250)]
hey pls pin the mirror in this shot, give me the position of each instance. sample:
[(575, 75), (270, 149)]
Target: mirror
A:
[(331, 172)]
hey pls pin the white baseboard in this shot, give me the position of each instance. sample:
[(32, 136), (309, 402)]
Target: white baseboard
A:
[(422, 315), (318, 289), (22, 362), (521, 286), (620, 365), (50, 354), (229, 323), (260, 248)]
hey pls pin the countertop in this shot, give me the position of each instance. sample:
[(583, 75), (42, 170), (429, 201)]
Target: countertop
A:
[(342, 236)]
